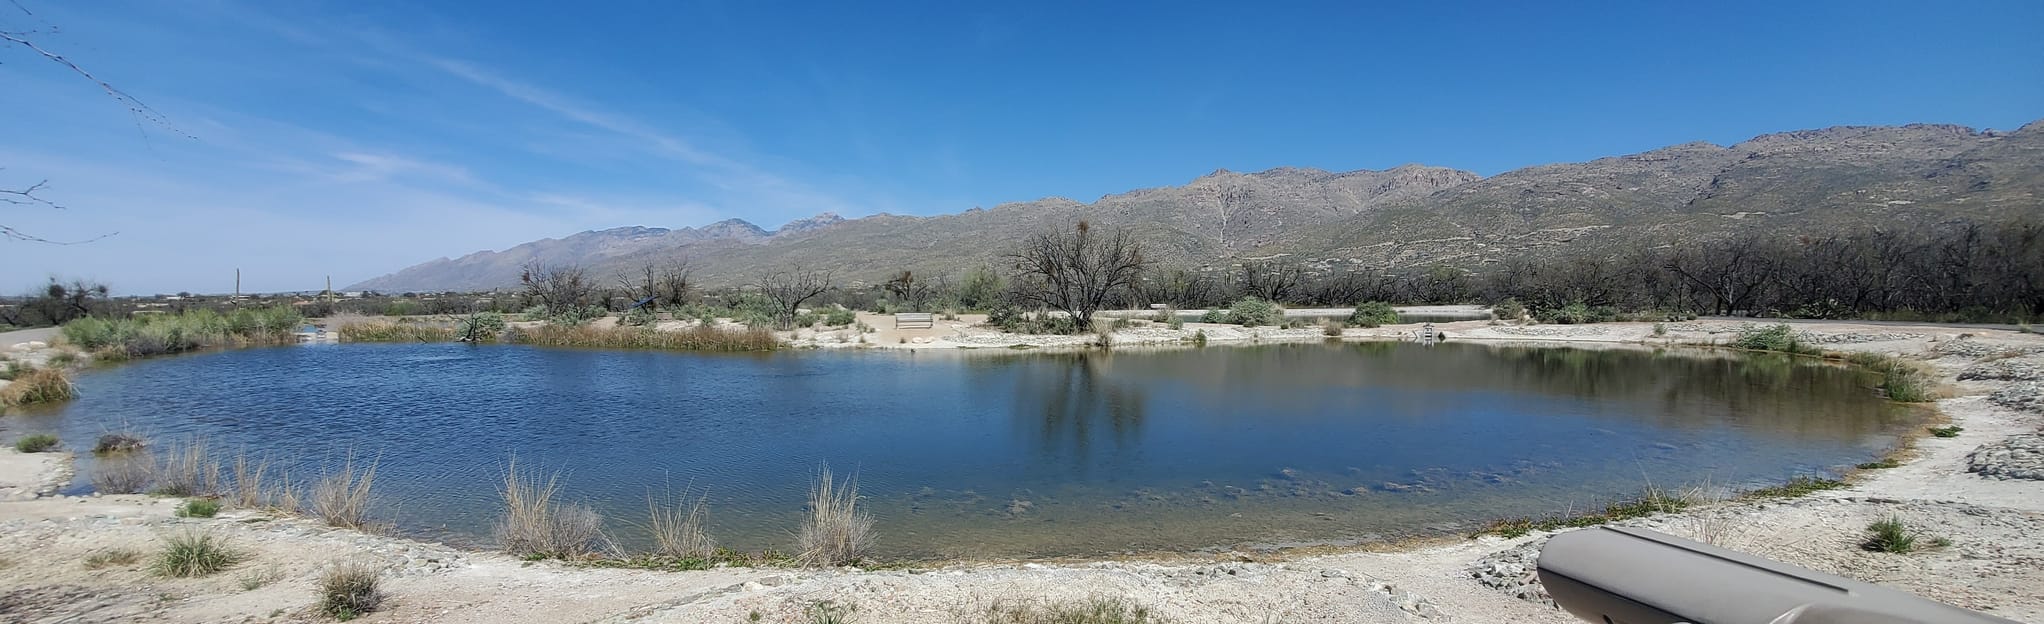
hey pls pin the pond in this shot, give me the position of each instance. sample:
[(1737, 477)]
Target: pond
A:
[(1013, 454)]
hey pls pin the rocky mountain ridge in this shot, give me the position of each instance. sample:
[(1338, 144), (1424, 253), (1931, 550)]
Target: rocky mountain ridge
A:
[(1813, 181)]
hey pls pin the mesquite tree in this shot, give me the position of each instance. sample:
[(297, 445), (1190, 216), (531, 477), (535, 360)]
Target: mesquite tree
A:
[(1077, 271), (789, 289)]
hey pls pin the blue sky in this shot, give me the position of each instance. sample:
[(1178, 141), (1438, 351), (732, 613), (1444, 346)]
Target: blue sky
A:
[(307, 139)]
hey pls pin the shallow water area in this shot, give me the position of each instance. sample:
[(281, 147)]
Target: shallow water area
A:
[(1012, 454)]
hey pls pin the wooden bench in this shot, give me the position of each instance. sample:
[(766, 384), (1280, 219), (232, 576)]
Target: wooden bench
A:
[(915, 320)]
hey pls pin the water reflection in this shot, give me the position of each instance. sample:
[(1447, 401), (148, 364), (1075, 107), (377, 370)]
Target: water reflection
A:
[(1018, 453)]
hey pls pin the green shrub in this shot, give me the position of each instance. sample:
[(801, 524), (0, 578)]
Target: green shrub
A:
[(35, 443), (198, 508), (1889, 535), (194, 553), (1254, 312), (1199, 338), (1373, 314), (1947, 432), (840, 317), (1879, 465), (806, 320), (1213, 316), (1797, 486), (481, 327), (159, 334), (1331, 328)]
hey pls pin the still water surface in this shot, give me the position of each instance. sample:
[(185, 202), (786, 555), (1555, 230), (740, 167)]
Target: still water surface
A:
[(989, 454)]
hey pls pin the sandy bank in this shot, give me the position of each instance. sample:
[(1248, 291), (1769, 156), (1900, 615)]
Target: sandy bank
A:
[(1995, 562)]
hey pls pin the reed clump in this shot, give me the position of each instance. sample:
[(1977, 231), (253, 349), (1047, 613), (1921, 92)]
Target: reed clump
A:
[(677, 529), (187, 469), (537, 525), (41, 385), (836, 532), (342, 498), (693, 338), (396, 332)]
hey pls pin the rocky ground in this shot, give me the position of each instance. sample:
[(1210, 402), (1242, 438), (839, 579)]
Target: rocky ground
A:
[(1970, 489)]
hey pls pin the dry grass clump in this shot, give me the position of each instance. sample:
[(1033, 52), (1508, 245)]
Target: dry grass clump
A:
[(694, 338), (188, 470), (350, 590), (116, 442), (1096, 610), (836, 532), (395, 332), (194, 553), (342, 498), (678, 529), (42, 385), (123, 473), (112, 557), (536, 525)]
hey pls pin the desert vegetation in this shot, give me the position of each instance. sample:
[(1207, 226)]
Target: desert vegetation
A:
[(40, 385), (537, 524), (693, 338), (162, 334), (836, 531), (350, 590), (1094, 610), (36, 443), (191, 553)]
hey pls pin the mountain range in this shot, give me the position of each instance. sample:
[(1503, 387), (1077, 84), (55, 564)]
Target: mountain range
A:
[(1803, 182)]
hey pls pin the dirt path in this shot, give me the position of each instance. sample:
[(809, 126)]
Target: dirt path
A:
[(1995, 561)]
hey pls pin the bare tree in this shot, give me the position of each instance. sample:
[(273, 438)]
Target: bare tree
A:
[(563, 289), (665, 284), (911, 291), (1274, 280), (789, 289), (28, 196), (1077, 270)]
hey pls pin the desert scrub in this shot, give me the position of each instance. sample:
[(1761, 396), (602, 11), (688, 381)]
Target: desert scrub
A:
[(1780, 338), (397, 332), (123, 473), (117, 442), (159, 334), (112, 557), (1097, 610), (480, 327), (198, 508), (836, 532), (1373, 314), (536, 525), (1254, 312), (827, 612), (1331, 328), (1879, 465), (1796, 486), (839, 317), (1508, 310), (194, 553), (350, 590), (1213, 316), (1950, 431), (1901, 380), (42, 385), (694, 338), (1890, 535), (35, 443)]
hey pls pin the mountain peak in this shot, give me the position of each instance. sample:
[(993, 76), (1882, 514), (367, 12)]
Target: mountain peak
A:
[(810, 224)]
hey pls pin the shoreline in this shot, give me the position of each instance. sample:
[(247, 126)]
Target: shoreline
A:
[(1419, 579)]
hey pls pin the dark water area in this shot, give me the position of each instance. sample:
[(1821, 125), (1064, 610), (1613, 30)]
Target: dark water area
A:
[(1012, 454)]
